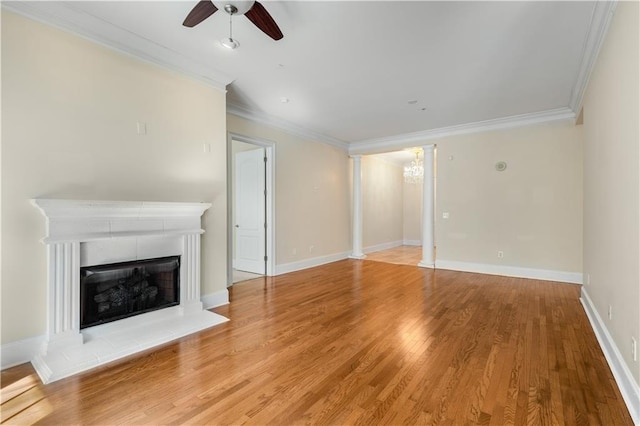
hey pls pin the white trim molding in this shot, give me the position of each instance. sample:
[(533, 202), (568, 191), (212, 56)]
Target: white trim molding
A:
[(603, 12), (21, 351), (629, 388), (213, 300), (408, 140), (270, 182), (511, 271), (411, 242), (284, 125), (310, 263)]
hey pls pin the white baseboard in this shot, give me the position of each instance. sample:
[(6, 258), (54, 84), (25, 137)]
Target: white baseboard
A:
[(411, 242), (310, 263), (383, 246), (511, 271), (628, 386), (216, 299), (16, 353)]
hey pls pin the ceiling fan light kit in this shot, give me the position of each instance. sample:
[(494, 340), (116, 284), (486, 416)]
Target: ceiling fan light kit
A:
[(230, 43)]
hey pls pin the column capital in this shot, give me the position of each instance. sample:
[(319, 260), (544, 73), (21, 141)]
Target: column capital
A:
[(355, 156), (428, 147)]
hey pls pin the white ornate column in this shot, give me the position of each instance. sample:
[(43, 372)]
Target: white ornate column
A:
[(190, 280), (356, 252), (427, 209), (63, 293)]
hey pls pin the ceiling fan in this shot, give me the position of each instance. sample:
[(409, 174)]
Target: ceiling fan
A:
[(251, 9)]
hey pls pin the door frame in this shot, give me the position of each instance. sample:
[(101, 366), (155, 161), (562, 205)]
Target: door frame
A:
[(270, 233)]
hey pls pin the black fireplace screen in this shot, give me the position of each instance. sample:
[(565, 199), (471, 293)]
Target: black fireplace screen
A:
[(120, 290)]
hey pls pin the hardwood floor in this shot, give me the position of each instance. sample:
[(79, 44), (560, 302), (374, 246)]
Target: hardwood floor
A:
[(354, 342), (239, 276), (402, 255)]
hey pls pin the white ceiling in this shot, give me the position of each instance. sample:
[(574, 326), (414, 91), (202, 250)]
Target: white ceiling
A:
[(349, 69)]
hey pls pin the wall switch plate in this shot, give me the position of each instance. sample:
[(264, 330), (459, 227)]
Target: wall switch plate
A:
[(141, 128), (445, 215), (206, 147), (610, 312), (500, 254), (634, 349)]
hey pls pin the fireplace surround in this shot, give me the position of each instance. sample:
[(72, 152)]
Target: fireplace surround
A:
[(81, 234)]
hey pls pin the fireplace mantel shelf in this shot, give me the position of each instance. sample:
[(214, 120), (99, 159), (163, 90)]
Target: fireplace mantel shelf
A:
[(98, 209), (70, 221), (97, 236)]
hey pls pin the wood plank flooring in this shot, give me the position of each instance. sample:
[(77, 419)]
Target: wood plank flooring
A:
[(354, 342), (402, 255)]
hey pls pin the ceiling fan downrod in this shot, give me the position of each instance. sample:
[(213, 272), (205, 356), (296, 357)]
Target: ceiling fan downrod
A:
[(230, 43)]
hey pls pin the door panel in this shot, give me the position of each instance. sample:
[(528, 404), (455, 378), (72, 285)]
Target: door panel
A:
[(250, 211)]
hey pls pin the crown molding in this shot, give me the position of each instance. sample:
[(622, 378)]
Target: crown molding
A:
[(603, 12), (64, 16), (408, 140), (284, 125)]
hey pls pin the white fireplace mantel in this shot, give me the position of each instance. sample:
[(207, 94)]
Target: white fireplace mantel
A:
[(84, 233), (75, 220)]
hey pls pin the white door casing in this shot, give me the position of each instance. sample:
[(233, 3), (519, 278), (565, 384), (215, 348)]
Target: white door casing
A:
[(250, 211)]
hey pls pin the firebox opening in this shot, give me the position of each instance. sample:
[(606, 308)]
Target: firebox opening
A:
[(120, 290)]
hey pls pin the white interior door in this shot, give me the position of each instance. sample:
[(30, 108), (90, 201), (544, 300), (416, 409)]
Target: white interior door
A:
[(250, 211)]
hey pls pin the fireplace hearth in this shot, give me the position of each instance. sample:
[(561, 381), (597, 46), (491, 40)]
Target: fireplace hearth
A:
[(120, 290)]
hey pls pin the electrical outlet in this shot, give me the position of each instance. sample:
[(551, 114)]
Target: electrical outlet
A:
[(610, 312), (500, 254), (634, 349), (311, 248), (294, 251)]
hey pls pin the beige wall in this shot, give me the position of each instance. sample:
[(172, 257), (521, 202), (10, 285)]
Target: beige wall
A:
[(381, 201), (532, 211), (312, 193), (69, 113), (412, 212), (612, 182)]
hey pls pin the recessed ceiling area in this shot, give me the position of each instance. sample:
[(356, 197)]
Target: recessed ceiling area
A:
[(351, 71)]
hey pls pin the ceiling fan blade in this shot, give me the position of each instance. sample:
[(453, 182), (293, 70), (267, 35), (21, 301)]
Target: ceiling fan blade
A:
[(199, 13), (261, 19)]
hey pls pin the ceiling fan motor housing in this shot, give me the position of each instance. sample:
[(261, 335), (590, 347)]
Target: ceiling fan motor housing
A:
[(234, 7)]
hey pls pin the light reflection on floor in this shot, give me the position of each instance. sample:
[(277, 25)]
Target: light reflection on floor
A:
[(23, 402)]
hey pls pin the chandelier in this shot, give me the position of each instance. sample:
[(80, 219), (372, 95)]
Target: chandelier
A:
[(414, 172)]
